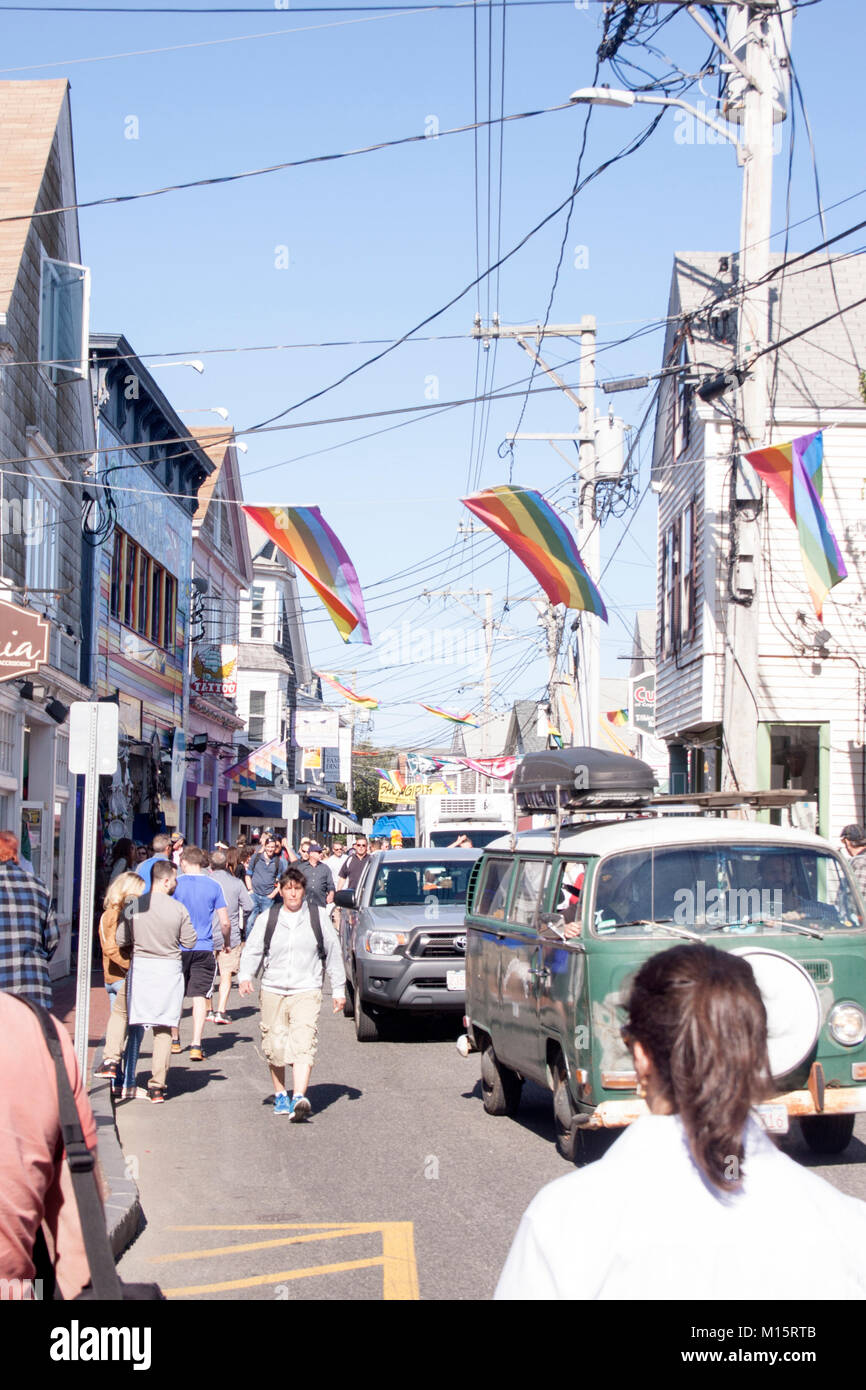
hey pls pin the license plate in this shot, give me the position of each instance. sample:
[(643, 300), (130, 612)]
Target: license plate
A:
[(772, 1118), (455, 979)]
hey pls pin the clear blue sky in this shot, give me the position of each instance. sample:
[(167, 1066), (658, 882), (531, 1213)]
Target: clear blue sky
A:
[(378, 242)]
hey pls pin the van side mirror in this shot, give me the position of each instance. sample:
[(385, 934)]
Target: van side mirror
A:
[(344, 898)]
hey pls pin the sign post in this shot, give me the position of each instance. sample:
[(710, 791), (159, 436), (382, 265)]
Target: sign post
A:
[(93, 734)]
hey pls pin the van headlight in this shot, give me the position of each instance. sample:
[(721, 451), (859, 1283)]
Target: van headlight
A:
[(384, 943), (847, 1024)]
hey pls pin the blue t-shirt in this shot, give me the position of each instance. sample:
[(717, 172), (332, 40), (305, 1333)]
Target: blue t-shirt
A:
[(201, 897), (146, 869)]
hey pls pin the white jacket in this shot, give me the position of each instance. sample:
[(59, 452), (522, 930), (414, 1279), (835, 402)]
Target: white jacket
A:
[(642, 1222), (293, 964)]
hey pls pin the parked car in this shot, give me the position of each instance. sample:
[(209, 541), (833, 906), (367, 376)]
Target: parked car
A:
[(559, 923), (403, 936)]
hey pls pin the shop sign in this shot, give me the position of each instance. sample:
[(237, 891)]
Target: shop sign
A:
[(642, 703), (215, 670), (23, 642)]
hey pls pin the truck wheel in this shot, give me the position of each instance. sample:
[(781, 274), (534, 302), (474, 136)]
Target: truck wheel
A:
[(366, 1026), (349, 1006), (500, 1086), (568, 1140), (827, 1134)]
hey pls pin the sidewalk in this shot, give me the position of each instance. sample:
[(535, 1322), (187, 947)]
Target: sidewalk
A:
[(124, 1218)]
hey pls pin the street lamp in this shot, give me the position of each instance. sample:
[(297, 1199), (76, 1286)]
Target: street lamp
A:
[(199, 366), (612, 96)]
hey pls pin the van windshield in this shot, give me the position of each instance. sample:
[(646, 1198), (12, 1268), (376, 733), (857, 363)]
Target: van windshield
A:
[(737, 889)]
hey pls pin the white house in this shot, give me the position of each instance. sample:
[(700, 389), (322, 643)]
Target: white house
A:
[(810, 695)]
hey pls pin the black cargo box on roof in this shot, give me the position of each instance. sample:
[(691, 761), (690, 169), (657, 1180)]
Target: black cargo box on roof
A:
[(586, 778)]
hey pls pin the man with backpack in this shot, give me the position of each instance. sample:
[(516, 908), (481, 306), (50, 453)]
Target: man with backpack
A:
[(294, 946)]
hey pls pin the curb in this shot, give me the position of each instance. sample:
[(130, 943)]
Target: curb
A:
[(124, 1217)]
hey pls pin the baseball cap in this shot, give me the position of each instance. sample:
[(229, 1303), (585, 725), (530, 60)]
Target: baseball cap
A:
[(313, 848)]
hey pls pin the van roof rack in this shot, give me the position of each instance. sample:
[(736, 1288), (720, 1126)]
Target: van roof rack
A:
[(592, 781)]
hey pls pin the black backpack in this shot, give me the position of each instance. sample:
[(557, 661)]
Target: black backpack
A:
[(271, 927)]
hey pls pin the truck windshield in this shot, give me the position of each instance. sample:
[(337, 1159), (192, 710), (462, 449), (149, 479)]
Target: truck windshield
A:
[(444, 839), (740, 889), (421, 882)]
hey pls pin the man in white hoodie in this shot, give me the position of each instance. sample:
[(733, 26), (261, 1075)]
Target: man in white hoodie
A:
[(295, 947)]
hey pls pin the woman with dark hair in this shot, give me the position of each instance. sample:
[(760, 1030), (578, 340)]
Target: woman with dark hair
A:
[(694, 1200), (123, 859)]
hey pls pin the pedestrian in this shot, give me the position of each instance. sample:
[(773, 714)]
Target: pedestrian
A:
[(205, 902), (854, 842), (239, 902), (355, 864), (160, 847), (123, 860), (115, 964), (295, 947), (28, 929), (693, 1200), (35, 1183), (320, 885), (262, 874), (157, 929), (177, 843)]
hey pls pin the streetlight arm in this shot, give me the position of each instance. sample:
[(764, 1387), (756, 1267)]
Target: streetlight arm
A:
[(611, 96)]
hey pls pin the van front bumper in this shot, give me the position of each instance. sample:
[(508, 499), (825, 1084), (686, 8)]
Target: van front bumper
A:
[(838, 1100)]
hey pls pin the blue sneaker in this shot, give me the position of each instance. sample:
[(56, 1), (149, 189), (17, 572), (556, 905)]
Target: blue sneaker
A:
[(300, 1108), (282, 1104)]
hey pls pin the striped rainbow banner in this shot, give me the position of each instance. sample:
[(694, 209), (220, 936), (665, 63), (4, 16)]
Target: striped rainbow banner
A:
[(795, 473), (365, 701), (531, 528), (303, 534), (452, 718)]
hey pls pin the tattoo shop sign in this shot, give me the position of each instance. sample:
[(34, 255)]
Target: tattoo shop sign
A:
[(23, 641)]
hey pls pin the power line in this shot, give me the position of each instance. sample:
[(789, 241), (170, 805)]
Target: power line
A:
[(277, 168)]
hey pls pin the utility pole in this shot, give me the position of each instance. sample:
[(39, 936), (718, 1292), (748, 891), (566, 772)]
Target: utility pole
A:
[(588, 530), (740, 712)]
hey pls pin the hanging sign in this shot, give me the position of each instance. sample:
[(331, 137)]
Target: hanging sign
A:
[(23, 642)]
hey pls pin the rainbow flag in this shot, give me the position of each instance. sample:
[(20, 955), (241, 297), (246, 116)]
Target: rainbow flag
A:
[(303, 534), (365, 701), (618, 716), (392, 778), (452, 718), (794, 472), (531, 528)]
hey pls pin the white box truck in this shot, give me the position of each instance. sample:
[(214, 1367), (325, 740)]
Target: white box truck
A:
[(481, 817)]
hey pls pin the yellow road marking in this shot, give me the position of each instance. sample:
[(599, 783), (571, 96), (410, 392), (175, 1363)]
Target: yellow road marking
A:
[(262, 1244), (399, 1267), (274, 1278)]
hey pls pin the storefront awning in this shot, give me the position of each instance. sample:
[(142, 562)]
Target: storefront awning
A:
[(383, 825)]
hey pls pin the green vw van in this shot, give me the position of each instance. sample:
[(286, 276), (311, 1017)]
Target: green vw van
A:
[(560, 919)]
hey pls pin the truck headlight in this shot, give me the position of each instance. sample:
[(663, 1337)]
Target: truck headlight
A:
[(847, 1024), (384, 943)]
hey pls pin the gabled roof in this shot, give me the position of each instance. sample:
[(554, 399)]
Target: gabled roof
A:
[(29, 113), (225, 484), (523, 736)]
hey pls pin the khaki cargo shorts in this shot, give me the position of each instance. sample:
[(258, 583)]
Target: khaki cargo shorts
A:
[(290, 1027), (228, 960)]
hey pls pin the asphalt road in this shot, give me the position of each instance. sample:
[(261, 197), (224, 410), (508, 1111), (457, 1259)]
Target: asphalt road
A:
[(399, 1186)]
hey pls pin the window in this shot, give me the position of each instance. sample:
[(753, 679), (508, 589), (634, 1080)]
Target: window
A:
[(491, 895), (688, 607), (64, 306), (684, 393), (142, 595), (257, 612), (256, 720), (40, 564), (569, 890), (671, 590), (531, 878)]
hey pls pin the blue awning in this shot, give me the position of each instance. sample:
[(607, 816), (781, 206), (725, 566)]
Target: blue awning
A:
[(383, 825)]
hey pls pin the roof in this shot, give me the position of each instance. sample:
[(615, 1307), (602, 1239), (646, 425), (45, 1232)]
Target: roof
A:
[(523, 735), (815, 370), (598, 837), (29, 112), (215, 441)]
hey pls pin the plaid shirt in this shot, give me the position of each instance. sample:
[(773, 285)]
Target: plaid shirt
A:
[(857, 865), (28, 935)]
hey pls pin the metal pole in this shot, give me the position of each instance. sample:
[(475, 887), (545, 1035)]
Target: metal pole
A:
[(85, 907), (590, 540), (350, 797), (488, 658)]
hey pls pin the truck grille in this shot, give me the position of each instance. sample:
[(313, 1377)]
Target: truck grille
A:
[(442, 946)]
